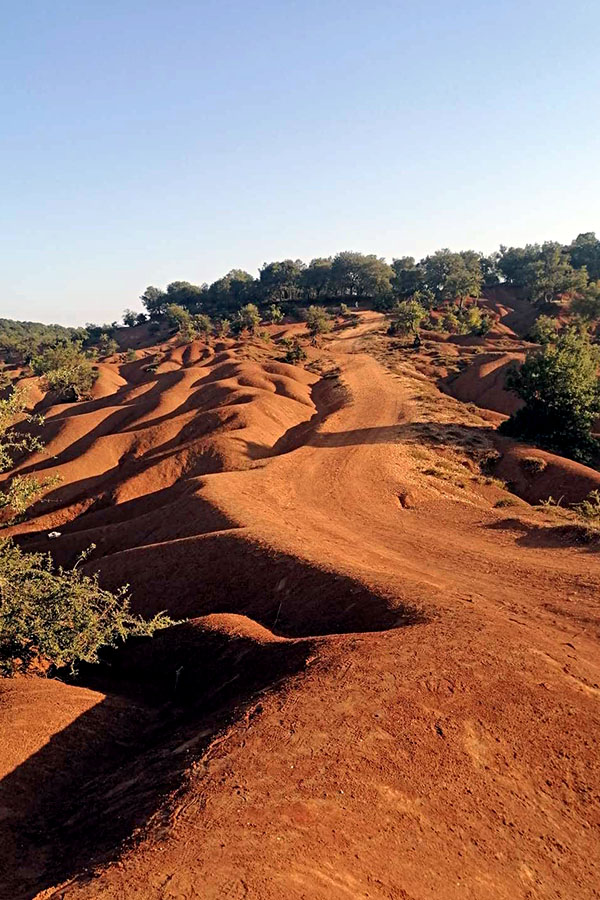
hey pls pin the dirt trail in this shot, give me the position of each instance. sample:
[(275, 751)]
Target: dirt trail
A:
[(427, 715)]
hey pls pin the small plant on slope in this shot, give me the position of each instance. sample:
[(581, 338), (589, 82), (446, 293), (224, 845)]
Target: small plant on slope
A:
[(58, 617)]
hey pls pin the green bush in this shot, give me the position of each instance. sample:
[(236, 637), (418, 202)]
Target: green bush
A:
[(72, 382), (274, 314), (295, 351), (562, 397), (318, 321), (407, 316), (58, 617), (544, 330)]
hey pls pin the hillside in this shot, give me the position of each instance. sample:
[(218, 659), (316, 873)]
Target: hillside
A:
[(388, 678)]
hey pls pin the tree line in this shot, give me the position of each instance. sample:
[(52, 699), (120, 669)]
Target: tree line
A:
[(541, 272)]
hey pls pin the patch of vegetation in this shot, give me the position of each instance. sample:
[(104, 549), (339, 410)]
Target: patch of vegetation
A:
[(562, 397), (544, 330), (56, 617), (318, 321), (407, 318), (590, 507), (295, 352), (505, 502), (533, 465)]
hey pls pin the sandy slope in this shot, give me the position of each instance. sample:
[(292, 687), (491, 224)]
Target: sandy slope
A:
[(426, 665)]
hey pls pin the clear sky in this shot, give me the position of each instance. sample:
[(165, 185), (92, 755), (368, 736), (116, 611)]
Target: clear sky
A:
[(144, 141)]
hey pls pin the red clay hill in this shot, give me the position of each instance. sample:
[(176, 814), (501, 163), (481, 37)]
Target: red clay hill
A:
[(387, 680)]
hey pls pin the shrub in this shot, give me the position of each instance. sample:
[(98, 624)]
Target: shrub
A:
[(344, 310), (534, 464), (295, 351), (223, 327), (107, 345), (544, 330), (562, 397), (274, 314), (590, 507), (317, 321), (22, 491), (131, 355), (247, 319), (407, 317), (72, 382), (13, 441), (58, 617)]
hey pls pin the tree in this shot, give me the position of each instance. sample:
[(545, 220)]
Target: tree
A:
[(586, 305), (129, 318), (360, 275), (318, 321), (316, 279), (544, 272), (58, 617), (407, 317), (190, 296), (155, 302), (544, 330), (552, 274), (107, 344), (182, 319), (452, 276), (560, 388), (233, 290), (408, 276), (247, 319), (281, 280), (584, 252)]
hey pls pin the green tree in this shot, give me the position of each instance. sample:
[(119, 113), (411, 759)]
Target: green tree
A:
[(544, 330), (130, 318), (107, 345), (155, 302), (560, 389), (584, 252), (316, 280), (586, 305), (73, 382), (190, 296), (407, 317), (182, 319), (360, 275), (232, 290), (408, 276), (452, 276), (281, 280), (552, 274)]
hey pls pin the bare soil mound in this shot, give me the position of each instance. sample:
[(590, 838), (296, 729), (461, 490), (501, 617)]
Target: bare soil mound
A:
[(483, 382), (387, 687)]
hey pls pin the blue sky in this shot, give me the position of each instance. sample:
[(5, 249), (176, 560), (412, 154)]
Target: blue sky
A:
[(144, 142)]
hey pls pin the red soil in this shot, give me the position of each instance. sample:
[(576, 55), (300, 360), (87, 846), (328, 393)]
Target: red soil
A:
[(389, 688)]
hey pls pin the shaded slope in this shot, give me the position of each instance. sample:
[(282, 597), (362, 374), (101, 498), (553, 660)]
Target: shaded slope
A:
[(451, 758)]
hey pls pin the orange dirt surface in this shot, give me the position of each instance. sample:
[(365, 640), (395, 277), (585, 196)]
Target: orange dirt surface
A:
[(386, 686)]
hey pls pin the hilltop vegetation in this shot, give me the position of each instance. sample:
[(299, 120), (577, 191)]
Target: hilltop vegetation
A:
[(542, 272)]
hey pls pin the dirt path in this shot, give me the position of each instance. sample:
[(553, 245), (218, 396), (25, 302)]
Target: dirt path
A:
[(449, 754)]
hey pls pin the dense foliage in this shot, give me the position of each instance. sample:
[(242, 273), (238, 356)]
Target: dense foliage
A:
[(561, 394), (543, 272), (53, 616)]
